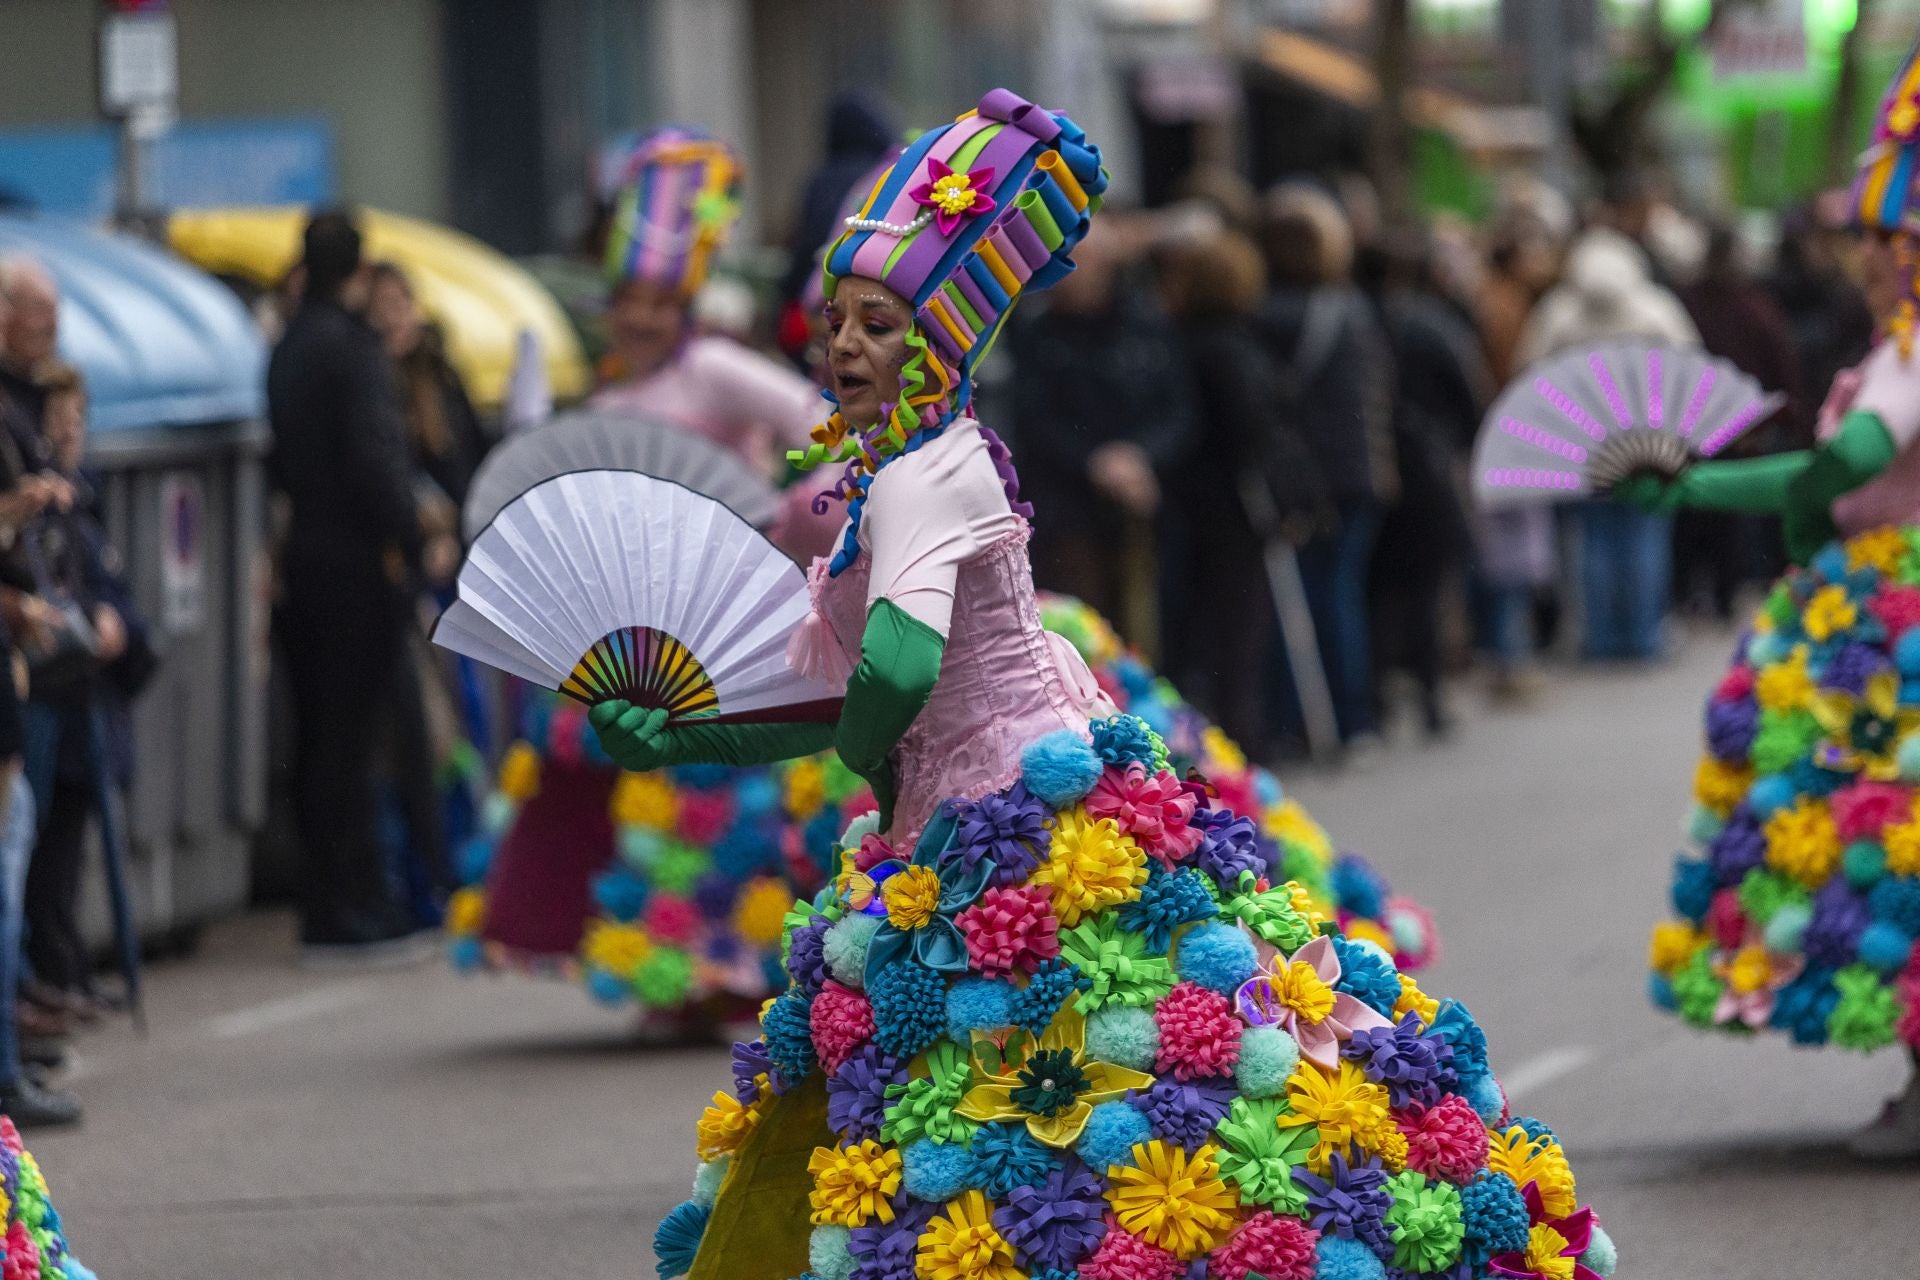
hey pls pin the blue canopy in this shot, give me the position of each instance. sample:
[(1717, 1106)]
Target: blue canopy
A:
[(162, 343)]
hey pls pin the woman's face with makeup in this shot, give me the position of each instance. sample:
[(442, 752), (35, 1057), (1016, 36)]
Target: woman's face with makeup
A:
[(867, 326)]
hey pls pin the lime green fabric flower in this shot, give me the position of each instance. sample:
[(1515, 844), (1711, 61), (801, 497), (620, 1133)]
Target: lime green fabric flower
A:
[(1762, 893), (1785, 738), (679, 867), (1258, 1157), (1696, 991), (924, 1106), (1866, 1012), (1425, 1223), (663, 977), (1117, 962), (1269, 913)]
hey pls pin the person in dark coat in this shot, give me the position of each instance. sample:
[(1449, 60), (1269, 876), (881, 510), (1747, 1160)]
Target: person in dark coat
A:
[(349, 574), (860, 131)]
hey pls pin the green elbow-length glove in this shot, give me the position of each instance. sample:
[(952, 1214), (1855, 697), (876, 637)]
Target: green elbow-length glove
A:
[(640, 740), (899, 665), (1799, 487)]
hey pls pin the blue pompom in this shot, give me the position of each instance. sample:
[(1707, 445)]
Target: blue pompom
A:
[(1693, 886), (1885, 947), (1338, 1258), (1830, 563), (1483, 1095), (1007, 1156), (1536, 1130), (1906, 653), (936, 1171), (1168, 900), (475, 856), (909, 1007), (1802, 1007), (745, 848), (1495, 1217), (789, 1037), (819, 837), (1360, 889), (1769, 794), (465, 954), (608, 987), (1123, 740), (1048, 987), (1060, 768), (678, 1239), (1367, 976), (1267, 791), (1896, 900), (1660, 991), (977, 1004), (702, 777), (1219, 957), (757, 795), (621, 894), (1113, 1130), (1452, 1023)]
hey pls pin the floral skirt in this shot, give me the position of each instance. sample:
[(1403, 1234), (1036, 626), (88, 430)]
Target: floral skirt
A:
[(34, 1244), (1799, 909), (1088, 1028)]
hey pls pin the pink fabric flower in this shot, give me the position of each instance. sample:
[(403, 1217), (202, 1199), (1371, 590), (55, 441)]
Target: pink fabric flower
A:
[(953, 196), (1576, 1229), (1199, 1036), (841, 1021), (1735, 685), (872, 852), (1755, 1008), (1154, 808), (1269, 1246), (1237, 792), (671, 920), (1863, 809), (1446, 1140), (1280, 998), (1898, 608), (704, 816), (1725, 920), (1010, 930), (1124, 1257)]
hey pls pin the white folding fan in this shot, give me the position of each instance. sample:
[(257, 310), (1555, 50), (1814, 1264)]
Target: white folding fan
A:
[(609, 440), (1579, 423), (613, 584)]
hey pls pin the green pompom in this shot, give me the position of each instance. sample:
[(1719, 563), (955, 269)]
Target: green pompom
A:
[(1783, 932), (844, 947), (827, 1254), (1907, 758), (1865, 1015), (1696, 991), (1601, 1257), (679, 867), (1763, 892), (1785, 738), (706, 1182), (663, 978)]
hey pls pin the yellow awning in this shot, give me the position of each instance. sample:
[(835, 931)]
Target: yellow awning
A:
[(480, 298)]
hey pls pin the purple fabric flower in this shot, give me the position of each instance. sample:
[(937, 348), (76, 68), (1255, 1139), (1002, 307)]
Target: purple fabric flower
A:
[(1852, 667), (1731, 727), (714, 893), (857, 1092), (1840, 916), (1739, 848), (806, 955), (1413, 1067), (887, 1251), (750, 1061), (1351, 1201), (1058, 1222), (1184, 1113), (1229, 844), (1008, 828)]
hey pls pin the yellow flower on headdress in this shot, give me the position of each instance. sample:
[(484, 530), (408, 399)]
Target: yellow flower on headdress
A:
[(1091, 865), (1828, 613), (1863, 734), (1903, 121), (1802, 842), (853, 1185), (1540, 1162), (723, 1126), (466, 912), (1719, 785), (1172, 1200), (1786, 686), (1881, 549), (1343, 1105), (962, 1244), (760, 914), (645, 800), (520, 773), (618, 948), (1674, 942), (806, 788), (1414, 1000), (1053, 1088)]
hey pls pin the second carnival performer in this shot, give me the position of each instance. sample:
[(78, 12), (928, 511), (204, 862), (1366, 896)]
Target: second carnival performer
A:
[(1801, 912), (665, 889), (1058, 1014)]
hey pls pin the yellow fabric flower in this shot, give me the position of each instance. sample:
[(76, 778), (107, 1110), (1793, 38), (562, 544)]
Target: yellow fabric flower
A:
[(1674, 942), (1719, 785), (724, 1126), (1414, 1000), (1828, 613), (1389, 1144), (1290, 823), (645, 800), (1750, 969), (961, 1244), (1172, 1200), (1802, 842), (1544, 1163), (1883, 549), (760, 914), (853, 1185), (1343, 1105), (1222, 751), (520, 773), (618, 948), (1786, 686), (1091, 865), (1544, 1249), (911, 897), (1053, 1089), (1902, 842), (1311, 911), (467, 912), (1864, 733), (806, 788)]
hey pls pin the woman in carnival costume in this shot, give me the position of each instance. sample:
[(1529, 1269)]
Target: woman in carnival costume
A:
[(1800, 913), (669, 888), (1060, 1014), (33, 1244)]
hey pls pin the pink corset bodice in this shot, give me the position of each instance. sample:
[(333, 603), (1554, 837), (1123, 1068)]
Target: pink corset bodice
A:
[(1004, 681)]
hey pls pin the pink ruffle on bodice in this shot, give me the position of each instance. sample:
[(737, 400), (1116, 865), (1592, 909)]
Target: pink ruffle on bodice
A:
[(1004, 680)]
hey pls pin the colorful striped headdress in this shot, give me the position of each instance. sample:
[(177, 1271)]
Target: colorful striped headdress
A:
[(1885, 195), (678, 198)]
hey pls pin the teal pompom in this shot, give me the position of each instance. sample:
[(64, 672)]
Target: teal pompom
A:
[(1601, 1257), (1124, 1035), (1704, 825), (466, 954), (1060, 768), (828, 1257), (608, 987), (1113, 1130), (1865, 862), (1907, 758), (1268, 1056), (1788, 923), (935, 1171), (1484, 1095), (639, 848), (497, 813), (1216, 956), (1766, 648), (706, 1182), (844, 947), (977, 1004)]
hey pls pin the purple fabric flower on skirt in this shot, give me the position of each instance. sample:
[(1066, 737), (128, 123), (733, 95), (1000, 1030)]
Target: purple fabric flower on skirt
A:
[(1351, 1201), (1731, 727), (857, 1092), (1852, 667), (1840, 916), (1058, 1222), (750, 1062), (1412, 1066), (1739, 848), (1184, 1113), (888, 1251), (806, 955), (1008, 829), (1229, 844)]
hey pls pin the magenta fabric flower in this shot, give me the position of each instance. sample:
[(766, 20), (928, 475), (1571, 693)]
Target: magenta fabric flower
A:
[(1298, 996), (1155, 809), (1549, 1242), (953, 196), (1863, 810)]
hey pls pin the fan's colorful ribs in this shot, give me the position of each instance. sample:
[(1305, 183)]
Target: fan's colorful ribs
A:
[(646, 667)]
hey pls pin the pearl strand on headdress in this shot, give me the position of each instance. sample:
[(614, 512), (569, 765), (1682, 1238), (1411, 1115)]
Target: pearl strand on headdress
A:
[(889, 228)]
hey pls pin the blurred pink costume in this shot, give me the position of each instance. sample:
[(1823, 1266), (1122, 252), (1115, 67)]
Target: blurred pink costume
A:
[(939, 539), (1889, 387), (741, 400)]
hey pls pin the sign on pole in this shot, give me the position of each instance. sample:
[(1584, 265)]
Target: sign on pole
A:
[(1766, 37)]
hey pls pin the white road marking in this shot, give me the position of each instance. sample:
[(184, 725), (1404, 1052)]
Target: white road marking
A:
[(271, 1015), (1543, 1069)]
